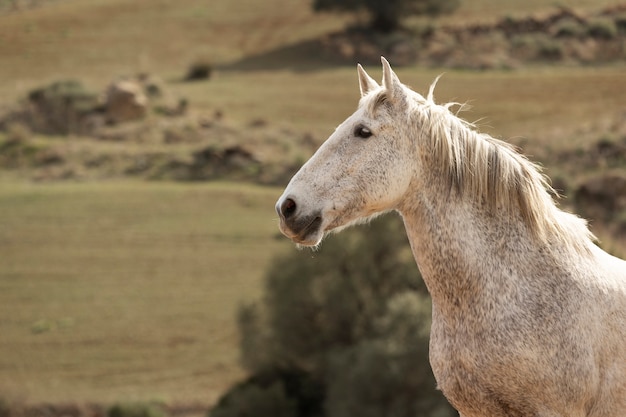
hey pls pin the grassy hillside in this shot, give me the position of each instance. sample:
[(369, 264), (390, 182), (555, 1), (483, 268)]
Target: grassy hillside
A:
[(126, 291), (122, 290), (100, 39), (527, 103)]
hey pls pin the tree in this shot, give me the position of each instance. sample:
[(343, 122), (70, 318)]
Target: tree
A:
[(388, 375), (340, 332), (385, 15)]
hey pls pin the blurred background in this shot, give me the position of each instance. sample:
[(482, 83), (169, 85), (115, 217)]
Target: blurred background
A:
[(143, 144)]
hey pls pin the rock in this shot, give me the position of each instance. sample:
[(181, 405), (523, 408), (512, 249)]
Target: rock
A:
[(125, 101)]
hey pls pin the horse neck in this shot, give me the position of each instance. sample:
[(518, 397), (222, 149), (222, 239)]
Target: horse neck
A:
[(466, 254)]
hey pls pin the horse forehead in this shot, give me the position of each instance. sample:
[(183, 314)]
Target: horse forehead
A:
[(362, 112)]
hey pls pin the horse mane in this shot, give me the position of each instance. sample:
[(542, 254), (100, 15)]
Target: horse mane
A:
[(491, 171)]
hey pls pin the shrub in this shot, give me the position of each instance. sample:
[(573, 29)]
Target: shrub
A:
[(18, 149), (59, 107), (199, 70), (329, 301), (390, 374), (620, 22), (351, 322), (135, 410), (537, 46), (602, 28), (5, 408), (569, 28), (69, 92), (549, 49), (276, 393), (385, 16)]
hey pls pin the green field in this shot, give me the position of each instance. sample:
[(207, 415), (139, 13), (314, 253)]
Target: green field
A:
[(124, 290)]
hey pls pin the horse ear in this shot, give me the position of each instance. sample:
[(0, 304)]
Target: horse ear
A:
[(391, 82), (366, 83)]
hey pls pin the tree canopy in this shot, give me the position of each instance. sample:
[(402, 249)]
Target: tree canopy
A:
[(386, 15)]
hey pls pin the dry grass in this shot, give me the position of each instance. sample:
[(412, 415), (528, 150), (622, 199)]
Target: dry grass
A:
[(127, 291), (100, 39), (523, 103)]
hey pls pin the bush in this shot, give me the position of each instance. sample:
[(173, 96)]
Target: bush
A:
[(537, 46), (5, 408), (353, 320), (276, 393), (320, 303), (390, 374), (385, 16), (59, 107), (602, 28), (199, 70), (255, 401), (17, 149), (569, 28), (620, 22), (135, 410), (549, 49)]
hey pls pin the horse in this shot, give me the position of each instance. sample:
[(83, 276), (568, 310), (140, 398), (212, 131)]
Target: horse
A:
[(528, 313)]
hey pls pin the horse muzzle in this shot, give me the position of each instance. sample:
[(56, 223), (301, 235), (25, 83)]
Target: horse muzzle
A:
[(303, 228)]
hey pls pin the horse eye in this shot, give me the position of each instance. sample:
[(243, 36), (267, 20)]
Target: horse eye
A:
[(362, 132)]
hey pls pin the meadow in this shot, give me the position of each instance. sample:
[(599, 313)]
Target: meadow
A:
[(123, 290), (127, 291)]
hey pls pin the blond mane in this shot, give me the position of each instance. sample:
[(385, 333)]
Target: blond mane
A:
[(488, 170)]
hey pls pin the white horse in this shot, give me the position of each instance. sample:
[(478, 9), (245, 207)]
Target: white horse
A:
[(529, 315)]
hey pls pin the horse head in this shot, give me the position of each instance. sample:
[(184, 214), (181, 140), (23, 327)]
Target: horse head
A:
[(363, 169)]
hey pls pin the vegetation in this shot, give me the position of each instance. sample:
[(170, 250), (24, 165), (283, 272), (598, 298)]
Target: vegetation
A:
[(603, 28), (385, 16), (199, 70), (351, 323), (135, 410), (57, 108)]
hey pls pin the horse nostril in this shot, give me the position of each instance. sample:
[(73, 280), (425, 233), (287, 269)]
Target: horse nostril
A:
[(288, 208)]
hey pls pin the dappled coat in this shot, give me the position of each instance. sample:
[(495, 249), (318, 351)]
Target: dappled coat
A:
[(529, 315)]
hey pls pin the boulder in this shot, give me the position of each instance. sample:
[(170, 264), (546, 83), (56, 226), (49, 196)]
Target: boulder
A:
[(125, 101)]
